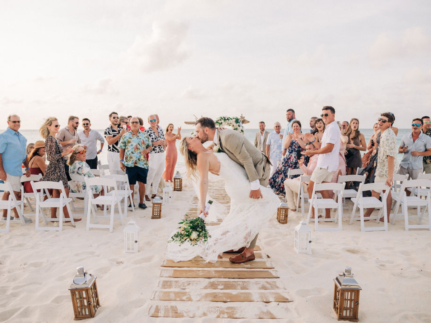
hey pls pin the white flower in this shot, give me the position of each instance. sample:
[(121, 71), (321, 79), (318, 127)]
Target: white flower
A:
[(194, 235)]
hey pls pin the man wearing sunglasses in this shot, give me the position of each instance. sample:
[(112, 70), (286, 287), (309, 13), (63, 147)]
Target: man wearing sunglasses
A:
[(68, 137), (290, 116), (113, 135), (12, 156), (89, 138), (415, 147), (426, 129)]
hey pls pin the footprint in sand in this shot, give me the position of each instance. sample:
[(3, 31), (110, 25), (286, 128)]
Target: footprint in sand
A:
[(311, 292), (60, 299)]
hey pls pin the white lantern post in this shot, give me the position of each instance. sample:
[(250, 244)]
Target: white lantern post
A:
[(131, 237), (167, 194), (302, 238)]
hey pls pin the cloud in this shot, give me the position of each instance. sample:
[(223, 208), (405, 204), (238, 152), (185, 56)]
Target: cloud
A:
[(308, 59), (103, 86), (194, 94), (418, 76), (165, 48), (7, 101)]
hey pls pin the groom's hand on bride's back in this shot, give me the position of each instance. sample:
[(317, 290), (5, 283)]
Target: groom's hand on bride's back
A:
[(256, 194)]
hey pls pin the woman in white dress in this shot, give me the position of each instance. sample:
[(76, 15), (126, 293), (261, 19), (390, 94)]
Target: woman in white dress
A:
[(246, 217)]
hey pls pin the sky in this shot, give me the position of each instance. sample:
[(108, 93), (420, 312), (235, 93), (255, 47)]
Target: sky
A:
[(180, 58)]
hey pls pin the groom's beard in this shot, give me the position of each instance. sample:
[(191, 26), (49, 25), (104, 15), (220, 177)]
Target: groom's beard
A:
[(204, 138)]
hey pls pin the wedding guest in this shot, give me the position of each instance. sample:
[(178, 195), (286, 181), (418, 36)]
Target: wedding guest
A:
[(341, 158), (36, 163), (28, 150), (373, 138), (415, 146), (344, 126), (89, 139), (273, 147), (290, 116), (68, 137), (12, 157), (113, 135), (327, 162), (313, 124), (319, 130), (386, 159), (426, 129), (124, 123), (56, 170), (79, 166), (261, 138), (129, 118), (355, 145), (294, 145), (171, 151), (141, 124), (157, 157), (291, 185)]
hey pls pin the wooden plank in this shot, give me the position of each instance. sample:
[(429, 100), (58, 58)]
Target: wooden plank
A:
[(233, 274), (198, 296), (256, 264), (211, 311), (221, 284)]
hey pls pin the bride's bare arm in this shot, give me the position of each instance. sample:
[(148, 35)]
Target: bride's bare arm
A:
[(203, 169)]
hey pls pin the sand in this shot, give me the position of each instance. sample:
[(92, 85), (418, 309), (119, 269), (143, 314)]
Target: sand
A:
[(36, 268)]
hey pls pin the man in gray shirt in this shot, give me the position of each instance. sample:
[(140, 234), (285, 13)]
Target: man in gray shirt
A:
[(68, 137), (415, 146), (89, 138)]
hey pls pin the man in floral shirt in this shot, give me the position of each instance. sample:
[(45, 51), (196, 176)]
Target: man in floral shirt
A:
[(134, 145), (426, 129), (386, 158)]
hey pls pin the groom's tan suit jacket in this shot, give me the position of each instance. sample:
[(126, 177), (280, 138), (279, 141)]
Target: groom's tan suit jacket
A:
[(243, 152)]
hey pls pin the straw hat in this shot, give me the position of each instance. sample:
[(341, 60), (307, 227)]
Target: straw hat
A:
[(39, 144)]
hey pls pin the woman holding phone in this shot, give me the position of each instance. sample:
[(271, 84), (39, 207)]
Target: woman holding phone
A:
[(292, 152)]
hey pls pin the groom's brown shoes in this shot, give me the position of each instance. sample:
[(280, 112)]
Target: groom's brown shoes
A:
[(241, 258), (235, 251)]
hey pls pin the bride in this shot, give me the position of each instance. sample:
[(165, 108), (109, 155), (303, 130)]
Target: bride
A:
[(247, 216)]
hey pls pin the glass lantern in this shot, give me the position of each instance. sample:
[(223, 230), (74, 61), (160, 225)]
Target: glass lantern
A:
[(157, 208), (178, 182), (85, 298), (346, 296), (282, 213), (131, 237), (302, 238), (167, 194)]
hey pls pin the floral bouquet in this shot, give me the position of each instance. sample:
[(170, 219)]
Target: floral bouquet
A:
[(192, 230)]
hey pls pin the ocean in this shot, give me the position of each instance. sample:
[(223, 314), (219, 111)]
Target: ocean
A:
[(33, 135)]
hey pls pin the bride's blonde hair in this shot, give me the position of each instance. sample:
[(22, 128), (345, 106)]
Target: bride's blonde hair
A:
[(191, 158)]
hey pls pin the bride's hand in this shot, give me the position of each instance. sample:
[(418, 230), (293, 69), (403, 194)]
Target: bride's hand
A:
[(256, 194), (202, 211)]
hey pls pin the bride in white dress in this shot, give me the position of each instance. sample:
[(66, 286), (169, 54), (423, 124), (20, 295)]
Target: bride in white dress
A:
[(246, 217)]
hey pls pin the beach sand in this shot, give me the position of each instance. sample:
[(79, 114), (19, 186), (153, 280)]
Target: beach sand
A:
[(36, 269)]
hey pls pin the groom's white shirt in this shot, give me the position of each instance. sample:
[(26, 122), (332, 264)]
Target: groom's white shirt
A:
[(255, 185)]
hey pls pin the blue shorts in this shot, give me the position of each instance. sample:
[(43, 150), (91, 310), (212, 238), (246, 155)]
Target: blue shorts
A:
[(137, 174)]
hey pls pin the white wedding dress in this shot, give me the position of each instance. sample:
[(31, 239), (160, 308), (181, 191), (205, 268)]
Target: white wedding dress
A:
[(246, 217)]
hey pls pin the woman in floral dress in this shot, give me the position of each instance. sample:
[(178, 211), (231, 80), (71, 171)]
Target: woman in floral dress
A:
[(293, 145)]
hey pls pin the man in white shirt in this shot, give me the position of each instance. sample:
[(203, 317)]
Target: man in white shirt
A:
[(273, 147), (327, 162), (89, 138), (290, 116), (261, 137)]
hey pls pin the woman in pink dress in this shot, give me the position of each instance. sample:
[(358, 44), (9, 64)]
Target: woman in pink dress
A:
[(171, 152)]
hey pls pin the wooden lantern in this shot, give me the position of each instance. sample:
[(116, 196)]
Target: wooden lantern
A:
[(131, 237), (346, 296), (178, 182), (85, 298), (302, 238), (282, 213), (157, 208)]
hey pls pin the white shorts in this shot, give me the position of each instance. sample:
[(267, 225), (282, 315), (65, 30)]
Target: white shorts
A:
[(114, 162), (380, 179), (15, 182), (321, 175)]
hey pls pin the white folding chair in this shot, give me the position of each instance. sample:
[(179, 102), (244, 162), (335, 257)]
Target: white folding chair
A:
[(349, 192), (25, 197), (104, 169), (123, 190), (302, 194), (80, 179), (60, 202), (396, 194), (415, 200), (324, 203), (10, 204), (293, 172), (423, 191), (368, 202), (111, 200), (97, 172)]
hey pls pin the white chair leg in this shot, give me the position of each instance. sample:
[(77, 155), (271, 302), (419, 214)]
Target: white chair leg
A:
[(111, 222), (37, 215), (352, 217), (406, 216), (89, 215), (340, 215), (21, 215), (385, 216), (121, 215), (7, 221), (361, 212), (70, 214), (397, 206), (60, 219)]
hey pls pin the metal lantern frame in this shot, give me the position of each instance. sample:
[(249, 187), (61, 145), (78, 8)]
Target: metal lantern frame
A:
[(131, 237), (282, 213), (84, 294), (157, 208), (346, 296), (302, 238), (178, 182)]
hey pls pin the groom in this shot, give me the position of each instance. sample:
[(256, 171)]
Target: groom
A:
[(243, 152)]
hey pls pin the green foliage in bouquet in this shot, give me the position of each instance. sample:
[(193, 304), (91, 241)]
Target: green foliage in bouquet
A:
[(191, 230)]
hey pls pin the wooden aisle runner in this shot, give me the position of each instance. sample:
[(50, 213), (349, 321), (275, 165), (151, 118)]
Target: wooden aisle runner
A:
[(224, 290)]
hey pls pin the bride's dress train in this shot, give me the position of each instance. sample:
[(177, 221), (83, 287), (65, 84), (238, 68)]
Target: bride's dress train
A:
[(246, 217)]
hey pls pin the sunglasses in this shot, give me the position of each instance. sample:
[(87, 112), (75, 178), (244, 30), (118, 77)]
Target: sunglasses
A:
[(57, 125), (153, 120), (382, 120), (115, 117), (310, 143), (76, 123), (85, 124), (416, 125), (134, 122), (324, 115), (82, 152), (16, 121), (126, 122), (427, 122)]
